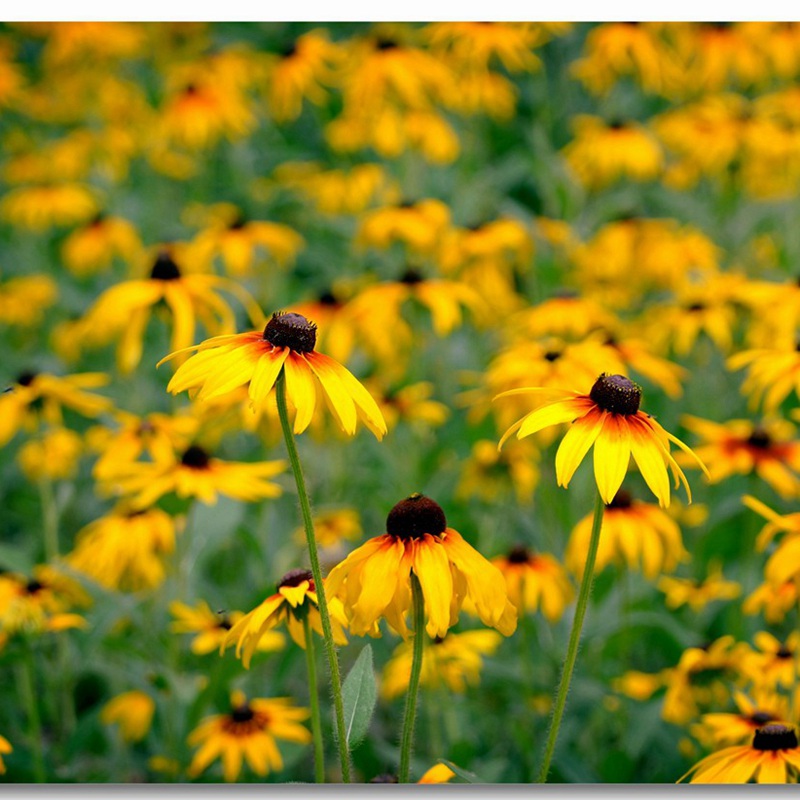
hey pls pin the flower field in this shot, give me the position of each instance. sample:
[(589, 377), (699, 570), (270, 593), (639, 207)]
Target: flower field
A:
[(400, 402)]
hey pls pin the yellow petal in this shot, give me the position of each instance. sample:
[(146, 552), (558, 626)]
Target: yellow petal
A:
[(301, 389), (612, 454), (576, 443)]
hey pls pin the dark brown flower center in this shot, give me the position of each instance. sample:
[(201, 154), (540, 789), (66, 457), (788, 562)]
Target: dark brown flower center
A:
[(760, 718), (195, 457), (224, 623), (291, 330), (616, 394), (621, 499), (238, 223), (775, 737), (696, 307), (518, 555), (295, 577), (385, 44), (33, 586), (165, 268), (26, 378), (552, 355), (328, 298), (415, 516), (289, 50), (759, 439), (242, 713), (411, 277), (784, 653)]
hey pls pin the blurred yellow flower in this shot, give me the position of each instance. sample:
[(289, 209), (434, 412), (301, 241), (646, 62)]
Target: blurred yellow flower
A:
[(93, 247), (53, 455), (24, 299), (697, 594), (132, 711)]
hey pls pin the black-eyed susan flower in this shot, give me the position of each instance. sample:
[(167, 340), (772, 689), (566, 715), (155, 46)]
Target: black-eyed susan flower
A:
[(125, 550), (374, 581), (783, 563), (411, 404), (301, 72), (773, 662), (40, 603), (490, 474), (774, 601), (53, 454), (602, 153), (535, 581), (195, 473), (24, 299), (93, 247), (701, 679), (640, 535), (697, 594), (295, 599), (132, 712), (772, 373), (256, 359), (728, 728), (248, 732), (40, 207), (211, 628), (238, 242), (609, 418), (453, 661), (39, 396), (773, 756), (743, 447), (334, 526), (419, 226), (123, 311)]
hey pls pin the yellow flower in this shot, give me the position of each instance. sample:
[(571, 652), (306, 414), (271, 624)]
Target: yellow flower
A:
[(773, 756), (616, 49), (410, 404), (489, 473), (439, 773), (608, 418), (535, 580), (774, 600), (195, 473), (53, 455), (37, 396), (332, 527), (774, 663), (742, 447), (41, 603), (38, 208), (256, 359), (236, 241), (338, 191), (419, 226), (123, 311), (23, 300), (132, 711), (697, 594), (719, 729), (212, 629), (640, 534), (784, 562), (5, 749), (248, 732), (93, 247), (299, 73), (772, 373), (294, 598), (453, 661), (602, 153), (374, 581), (126, 549)]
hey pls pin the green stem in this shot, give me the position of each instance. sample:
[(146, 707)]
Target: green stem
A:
[(26, 677), (574, 638), (49, 519), (316, 571), (409, 716), (316, 722)]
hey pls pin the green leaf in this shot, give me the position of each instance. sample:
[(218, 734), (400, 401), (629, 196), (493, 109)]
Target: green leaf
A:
[(465, 775), (359, 694)]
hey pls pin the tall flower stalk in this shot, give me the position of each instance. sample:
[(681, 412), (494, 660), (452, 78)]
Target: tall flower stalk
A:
[(316, 571), (609, 420), (410, 714)]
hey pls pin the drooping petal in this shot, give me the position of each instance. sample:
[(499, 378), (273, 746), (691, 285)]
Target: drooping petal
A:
[(612, 454), (432, 567), (650, 460), (340, 401), (301, 389), (265, 374), (576, 443), (553, 414)]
